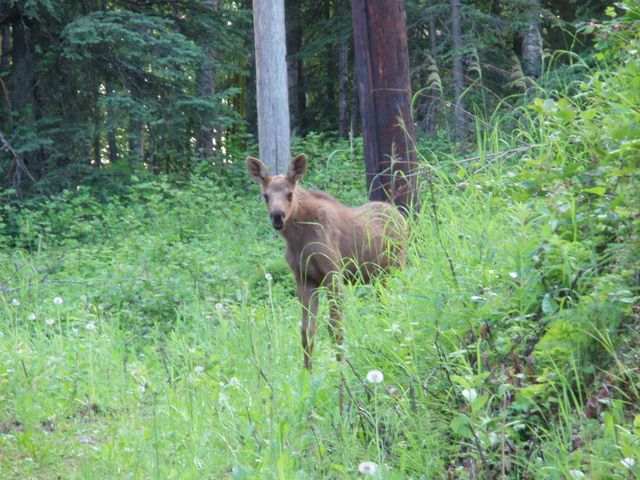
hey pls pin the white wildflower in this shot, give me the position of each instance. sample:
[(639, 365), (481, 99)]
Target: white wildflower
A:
[(91, 326), (198, 369), (368, 468), (219, 307), (233, 382), (628, 462), (575, 474), (83, 298), (32, 316), (513, 275), (49, 321), (57, 300), (268, 277), (375, 376), (470, 394), (15, 302), (100, 306), (141, 388)]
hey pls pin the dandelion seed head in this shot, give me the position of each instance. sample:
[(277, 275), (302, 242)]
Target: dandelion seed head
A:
[(49, 321), (470, 394), (375, 376), (15, 302), (100, 306), (32, 316), (628, 462), (141, 388), (198, 369), (91, 326), (268, 277), (83, 298), (218, 306), (57, 300), (368, 468)]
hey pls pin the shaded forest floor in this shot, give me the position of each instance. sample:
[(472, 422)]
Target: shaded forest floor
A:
[(143, 338)]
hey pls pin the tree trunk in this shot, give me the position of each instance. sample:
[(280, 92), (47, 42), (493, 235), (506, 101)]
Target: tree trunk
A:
[(111, 130), (384, 85), (433, 101), (5, 45), (271, 81), (343, 78), (297, 102), (532, 50), (22, 72), (206, 78), (458, 74)]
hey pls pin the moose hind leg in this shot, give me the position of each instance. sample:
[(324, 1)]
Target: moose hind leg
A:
[(336, 329), (309, 299)]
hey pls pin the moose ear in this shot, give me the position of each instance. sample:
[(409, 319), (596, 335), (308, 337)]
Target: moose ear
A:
[(258, 171), (297, 168)]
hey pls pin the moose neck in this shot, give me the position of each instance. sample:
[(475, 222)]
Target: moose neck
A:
[(302, 217)]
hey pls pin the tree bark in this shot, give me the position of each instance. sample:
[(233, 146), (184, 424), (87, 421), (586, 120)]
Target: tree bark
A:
[(433, 101), (532, 50), (458, 74), (295, 77), (343, 78), (111, 131), (271, 82), (206, 78), (384, 86), (22, 71)]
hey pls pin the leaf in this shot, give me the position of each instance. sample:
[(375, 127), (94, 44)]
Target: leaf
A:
[(461, 426), (596, 190), (547, 305)]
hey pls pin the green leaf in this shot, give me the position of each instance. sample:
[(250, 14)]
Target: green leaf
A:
[(596, 190), (461, 425)]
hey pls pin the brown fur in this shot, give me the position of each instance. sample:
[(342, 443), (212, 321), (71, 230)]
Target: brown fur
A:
[(327, 242)]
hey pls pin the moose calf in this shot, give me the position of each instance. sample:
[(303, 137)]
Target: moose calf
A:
[(327, 242)]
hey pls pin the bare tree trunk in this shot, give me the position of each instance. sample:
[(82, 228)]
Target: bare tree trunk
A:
[(384, 85), (111, 131), (343, 77), (295, 83), (458, 74), (5, 45), (136, 140), (206, 78), (434, 93), (532, 50), (271, 81)]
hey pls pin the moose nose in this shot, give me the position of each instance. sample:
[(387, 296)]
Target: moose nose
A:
[(277, 219)]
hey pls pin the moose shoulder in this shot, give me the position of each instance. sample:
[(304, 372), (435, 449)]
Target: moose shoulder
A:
[(327, 242)]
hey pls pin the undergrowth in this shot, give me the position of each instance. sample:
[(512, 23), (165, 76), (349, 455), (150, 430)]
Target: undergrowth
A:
[(155, 335)]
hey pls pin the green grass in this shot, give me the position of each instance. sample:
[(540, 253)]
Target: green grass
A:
[(172, 356)]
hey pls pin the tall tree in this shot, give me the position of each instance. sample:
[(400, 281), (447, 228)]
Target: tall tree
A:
[(384, 86), (532, 42), (271, 81), (458, 73), (343, 76)]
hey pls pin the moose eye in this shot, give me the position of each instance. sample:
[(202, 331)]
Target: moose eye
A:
[(266, 197), (290, 196)]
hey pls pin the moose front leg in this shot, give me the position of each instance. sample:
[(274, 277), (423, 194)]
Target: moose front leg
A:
[(309, 298)]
